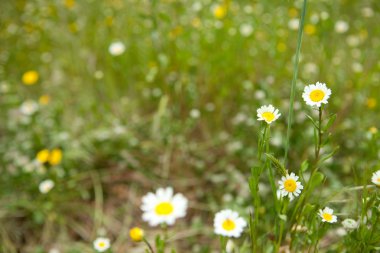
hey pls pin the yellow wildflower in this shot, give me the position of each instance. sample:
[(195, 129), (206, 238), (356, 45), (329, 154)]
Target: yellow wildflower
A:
[(44, 99), (69, 3), (55, 156), (293, 12), (30, 77), (43, 156), (136, 234), (310, 29), (371, 103), (220, 11)]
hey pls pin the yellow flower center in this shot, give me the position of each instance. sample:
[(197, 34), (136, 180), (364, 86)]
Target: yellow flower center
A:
[(101, 244), (164, 208), (317, 95), (290, 185), (268, 116), (327, 216), (378, 179), (228, 225)]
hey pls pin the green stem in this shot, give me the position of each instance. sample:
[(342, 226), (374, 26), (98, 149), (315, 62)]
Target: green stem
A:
[(295, 73), (300, 204), (148, 245), (223, 244)]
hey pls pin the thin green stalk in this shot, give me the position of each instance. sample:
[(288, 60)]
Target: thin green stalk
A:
[(223, 244), (254, 182), (294, 80), (148, 245), (297, 212)]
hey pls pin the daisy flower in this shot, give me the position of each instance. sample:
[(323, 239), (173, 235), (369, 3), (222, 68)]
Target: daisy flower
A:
[(101, 244), (290, 186), (116, 48), (46, 185), (327, 215), (376, 178), (228, 223), (29, 107), (163, 207), (316, 94), (268, 113), (350, 224)]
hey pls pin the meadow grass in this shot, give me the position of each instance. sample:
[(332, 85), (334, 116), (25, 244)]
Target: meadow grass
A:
[(103, 102)]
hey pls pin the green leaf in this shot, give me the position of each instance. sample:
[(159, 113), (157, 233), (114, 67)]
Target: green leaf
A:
[(304, 165), (312, 121), (309, 208), (316, 180), (331, 120), (329, 155)]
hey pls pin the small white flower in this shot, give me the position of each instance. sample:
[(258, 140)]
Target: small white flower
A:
[(102, 244), (350, 224), (290, 186), (325, 15), (268, 113), (116, 48), (195, 113), (357, 67), (228, 223), (316, 94), (54, 250), (341, 26), (327, 215), (246, 30), (163, 207), (29, 107), (376, 178), (45, 186), (293, 24)]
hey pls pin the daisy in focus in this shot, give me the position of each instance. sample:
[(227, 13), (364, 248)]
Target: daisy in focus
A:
[(327, 215), (376, 178), (228, 223), (268, 113), (316, 94), (101, 244), (290, 186), (163, 207)]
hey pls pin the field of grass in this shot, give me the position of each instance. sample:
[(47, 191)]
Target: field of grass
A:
[(103, 102)]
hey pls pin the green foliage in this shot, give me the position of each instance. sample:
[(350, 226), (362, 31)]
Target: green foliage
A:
[(178, 108)]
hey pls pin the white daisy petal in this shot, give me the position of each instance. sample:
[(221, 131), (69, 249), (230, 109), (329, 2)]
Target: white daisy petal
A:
[(376, 178)]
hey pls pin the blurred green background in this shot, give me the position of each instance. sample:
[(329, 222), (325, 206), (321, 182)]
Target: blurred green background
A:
[(172, 103)]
